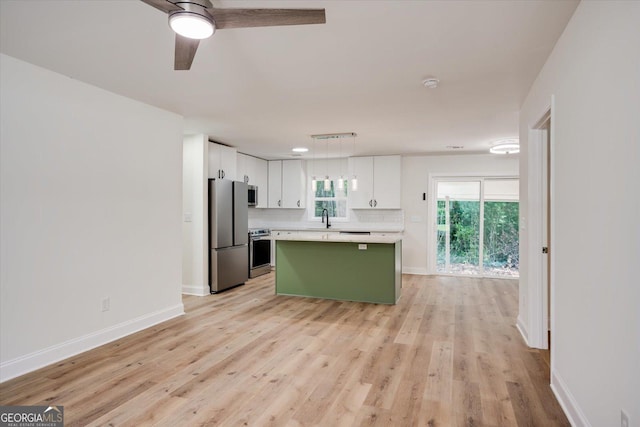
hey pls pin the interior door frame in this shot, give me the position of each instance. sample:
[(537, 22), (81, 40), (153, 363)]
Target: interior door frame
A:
[(432, 212), (540, 292)]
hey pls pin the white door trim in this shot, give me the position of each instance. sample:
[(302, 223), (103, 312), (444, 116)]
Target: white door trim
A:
[(537, 287)]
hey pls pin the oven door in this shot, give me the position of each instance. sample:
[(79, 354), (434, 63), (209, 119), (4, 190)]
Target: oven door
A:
[(259, 256), (260, 252)]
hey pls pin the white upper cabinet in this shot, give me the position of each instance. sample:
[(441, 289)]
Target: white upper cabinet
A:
[(242, 167), (287, 180), (222, 161), (260, 178), (362, 169), (275, 184), (253, 171), (379, 182), (294, 177)]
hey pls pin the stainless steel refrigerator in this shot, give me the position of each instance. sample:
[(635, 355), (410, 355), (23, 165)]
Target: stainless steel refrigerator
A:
[(228, 234)]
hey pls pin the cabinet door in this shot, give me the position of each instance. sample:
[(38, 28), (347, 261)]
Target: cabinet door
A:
[(293, 184), (387, 182), (228, 159), (222, 161), (275, 184), (362, 168), (243, 166), (260, 177), (214, 161)]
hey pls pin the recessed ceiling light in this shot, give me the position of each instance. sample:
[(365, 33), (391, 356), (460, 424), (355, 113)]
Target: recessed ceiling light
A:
[(507, 146), (431, 83), (300, 150)]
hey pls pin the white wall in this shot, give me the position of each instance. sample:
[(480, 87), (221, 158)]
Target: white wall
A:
[(195, 279), (594, 76), (90, 208), (415, 182)]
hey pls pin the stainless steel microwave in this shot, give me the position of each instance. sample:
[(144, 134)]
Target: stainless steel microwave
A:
[(253, 195)]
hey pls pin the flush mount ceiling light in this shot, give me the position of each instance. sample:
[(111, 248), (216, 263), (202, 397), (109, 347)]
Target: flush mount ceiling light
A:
[(193, 21), (431, 83), (508, 146), (300, 149)]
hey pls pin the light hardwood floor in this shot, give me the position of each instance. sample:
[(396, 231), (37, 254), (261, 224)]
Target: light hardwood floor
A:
[(448, 354)]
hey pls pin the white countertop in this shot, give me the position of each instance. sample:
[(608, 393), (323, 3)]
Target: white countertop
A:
[(337, 237), (337, 228)]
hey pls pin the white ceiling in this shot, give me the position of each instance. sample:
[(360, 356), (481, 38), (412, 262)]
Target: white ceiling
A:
[(266, 90)]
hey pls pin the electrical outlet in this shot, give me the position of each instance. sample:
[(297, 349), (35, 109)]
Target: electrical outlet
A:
[(362, 246), (106, 304), (624, 419)]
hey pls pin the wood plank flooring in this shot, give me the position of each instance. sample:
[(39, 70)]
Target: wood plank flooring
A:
[(448, 354)]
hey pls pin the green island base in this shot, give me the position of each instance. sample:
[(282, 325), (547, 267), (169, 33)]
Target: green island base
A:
[(339, 270)]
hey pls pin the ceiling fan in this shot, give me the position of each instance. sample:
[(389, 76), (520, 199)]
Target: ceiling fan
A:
[(195, 20)]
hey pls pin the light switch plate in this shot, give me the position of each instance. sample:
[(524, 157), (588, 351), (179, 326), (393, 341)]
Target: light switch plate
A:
[(362, 246)]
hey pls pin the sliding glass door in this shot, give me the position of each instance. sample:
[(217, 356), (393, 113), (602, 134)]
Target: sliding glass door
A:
[(477, 219), (458, 227), (501, 231)]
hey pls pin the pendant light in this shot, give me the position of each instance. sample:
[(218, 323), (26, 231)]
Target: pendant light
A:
[(341, 179), (327, 182), (354, 179), (314, 183)]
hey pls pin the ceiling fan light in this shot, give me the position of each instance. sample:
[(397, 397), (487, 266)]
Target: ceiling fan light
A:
[(191, 25)]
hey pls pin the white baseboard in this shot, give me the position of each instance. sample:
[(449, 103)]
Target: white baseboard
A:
[(523, 330), (38, 359), (415, 270), (568, 402), (196, 290)]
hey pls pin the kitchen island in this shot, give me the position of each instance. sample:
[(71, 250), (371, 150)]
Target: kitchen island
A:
[(365, 268)]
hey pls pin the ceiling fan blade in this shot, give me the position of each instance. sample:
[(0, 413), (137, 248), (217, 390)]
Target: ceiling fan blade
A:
[(185, 51), (162, 5), (243, 18)]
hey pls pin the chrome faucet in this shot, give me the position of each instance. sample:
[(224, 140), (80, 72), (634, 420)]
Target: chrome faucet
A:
[(323, 212)]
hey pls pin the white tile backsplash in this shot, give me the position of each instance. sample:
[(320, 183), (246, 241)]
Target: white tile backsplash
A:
[(285, 219)]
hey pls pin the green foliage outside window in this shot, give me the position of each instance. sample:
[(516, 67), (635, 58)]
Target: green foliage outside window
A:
[(334, 199), (500, 248)]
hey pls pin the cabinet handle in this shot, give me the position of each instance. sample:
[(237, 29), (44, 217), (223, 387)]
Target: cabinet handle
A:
[(371, 203), (298, 203), (219, 174), (375, 203), (246, 179), (223, 174), (279, 202)]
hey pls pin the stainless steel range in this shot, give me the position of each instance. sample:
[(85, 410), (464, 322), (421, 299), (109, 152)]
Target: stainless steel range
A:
[(259, 251)]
